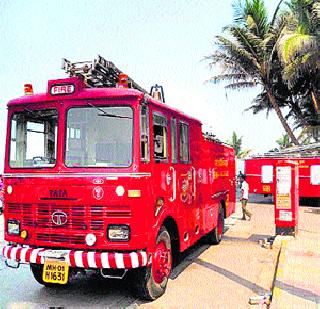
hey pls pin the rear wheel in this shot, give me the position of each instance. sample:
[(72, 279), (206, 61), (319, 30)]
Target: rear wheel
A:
[(152, 280), (215, 235)]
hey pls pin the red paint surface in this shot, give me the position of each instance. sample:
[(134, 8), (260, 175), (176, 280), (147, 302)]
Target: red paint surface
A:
[(212, 181), (306, 189)]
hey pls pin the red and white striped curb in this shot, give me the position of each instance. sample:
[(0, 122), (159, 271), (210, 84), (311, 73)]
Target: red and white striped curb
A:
[(82, 259)]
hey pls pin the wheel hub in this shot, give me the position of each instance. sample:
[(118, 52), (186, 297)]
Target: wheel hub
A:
[(161, 264)]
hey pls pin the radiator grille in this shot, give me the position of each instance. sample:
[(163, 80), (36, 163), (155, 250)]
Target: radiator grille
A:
[(61, 238), (79, 217)]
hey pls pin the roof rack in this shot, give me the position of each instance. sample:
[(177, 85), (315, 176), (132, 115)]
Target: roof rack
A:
[(97, 73), (302, 151)]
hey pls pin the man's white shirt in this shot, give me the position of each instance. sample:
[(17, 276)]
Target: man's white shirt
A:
[(245, 190)]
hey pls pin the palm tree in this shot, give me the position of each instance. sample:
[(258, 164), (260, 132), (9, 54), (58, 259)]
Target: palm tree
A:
[(298, 46), (236, 143), (298, 50), (248, 56), (284, 141)]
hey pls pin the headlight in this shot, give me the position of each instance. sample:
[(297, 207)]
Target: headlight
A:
[(118, 232), (13, 227)]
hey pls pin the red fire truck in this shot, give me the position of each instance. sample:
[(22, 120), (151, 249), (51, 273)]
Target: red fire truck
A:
[(259, 171), (101, 176)]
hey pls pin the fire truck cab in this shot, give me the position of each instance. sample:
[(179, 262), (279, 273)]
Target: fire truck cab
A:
[(100, 176)]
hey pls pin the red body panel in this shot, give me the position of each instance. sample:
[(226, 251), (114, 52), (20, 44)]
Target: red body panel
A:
[(253, 171), (286, 175), (192, 192)]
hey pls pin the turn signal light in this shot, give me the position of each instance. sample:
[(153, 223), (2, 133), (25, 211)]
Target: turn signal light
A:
[(28, 89), (24, 234), (134, 193)]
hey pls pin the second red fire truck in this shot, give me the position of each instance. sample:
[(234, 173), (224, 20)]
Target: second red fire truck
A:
[(101, 176), (260, 169)]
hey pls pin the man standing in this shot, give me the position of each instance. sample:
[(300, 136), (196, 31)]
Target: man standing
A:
[(244, 198)]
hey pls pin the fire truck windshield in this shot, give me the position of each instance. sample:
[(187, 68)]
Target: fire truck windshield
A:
[(99, 136), (33, 139)]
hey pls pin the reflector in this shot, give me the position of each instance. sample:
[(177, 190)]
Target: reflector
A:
[(28, 89)]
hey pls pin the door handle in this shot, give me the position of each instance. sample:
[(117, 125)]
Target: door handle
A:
[(194, 182), (174, 184)]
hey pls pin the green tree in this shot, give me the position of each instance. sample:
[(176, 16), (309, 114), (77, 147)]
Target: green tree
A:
[(298, 50), (236, 143), (284, 141), (248, 58)]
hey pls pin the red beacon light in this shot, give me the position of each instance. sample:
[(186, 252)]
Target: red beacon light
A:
[(28, 89), (123, 80)]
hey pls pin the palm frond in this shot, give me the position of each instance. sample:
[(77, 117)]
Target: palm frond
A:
[(292, 45), (241, 85), (249, 41), (275, 14), (235, 51), (231, 77)]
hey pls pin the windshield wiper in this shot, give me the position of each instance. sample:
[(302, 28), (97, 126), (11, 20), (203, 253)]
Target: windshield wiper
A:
[(105, 114)]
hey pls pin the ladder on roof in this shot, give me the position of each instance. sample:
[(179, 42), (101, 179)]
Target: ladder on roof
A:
[(97, 73)]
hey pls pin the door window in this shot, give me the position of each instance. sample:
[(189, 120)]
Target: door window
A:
[(184, 143), (174, 149), (160, 137), (144, 134), (315, 174), (267, 174)]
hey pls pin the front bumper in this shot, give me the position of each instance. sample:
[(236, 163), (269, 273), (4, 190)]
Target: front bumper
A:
[(77, 258)]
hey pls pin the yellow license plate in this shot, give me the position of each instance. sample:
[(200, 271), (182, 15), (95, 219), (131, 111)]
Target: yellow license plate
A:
[(55, 271)]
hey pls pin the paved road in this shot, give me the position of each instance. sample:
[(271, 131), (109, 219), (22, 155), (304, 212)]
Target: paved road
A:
[(222, 276)]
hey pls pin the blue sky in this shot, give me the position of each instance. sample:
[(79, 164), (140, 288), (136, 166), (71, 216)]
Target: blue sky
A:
[(153, 41)]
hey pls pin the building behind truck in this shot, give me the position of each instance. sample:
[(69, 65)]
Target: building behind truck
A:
[(102, 176)]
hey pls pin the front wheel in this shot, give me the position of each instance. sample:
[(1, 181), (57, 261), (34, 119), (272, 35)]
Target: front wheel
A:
[(215, 235), (152, 280)]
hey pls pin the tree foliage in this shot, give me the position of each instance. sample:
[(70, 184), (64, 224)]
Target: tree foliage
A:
[(236, 143), (247, 55), (280, 56)]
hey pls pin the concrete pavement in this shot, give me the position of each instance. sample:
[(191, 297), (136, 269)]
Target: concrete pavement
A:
[(227, 275), (297, 282)]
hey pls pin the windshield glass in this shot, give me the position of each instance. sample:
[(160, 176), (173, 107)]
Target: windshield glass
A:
[(33, 139), (99, 136)]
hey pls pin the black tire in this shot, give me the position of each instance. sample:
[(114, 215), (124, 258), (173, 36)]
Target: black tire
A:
[(215, 235), (146, 286), (37, 274)]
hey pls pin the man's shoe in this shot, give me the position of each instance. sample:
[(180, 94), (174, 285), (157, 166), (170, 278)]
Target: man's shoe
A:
[(243, 218), (249, 218)]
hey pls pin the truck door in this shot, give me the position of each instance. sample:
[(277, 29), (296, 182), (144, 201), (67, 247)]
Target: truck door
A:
[(186, 185), (163, 172)]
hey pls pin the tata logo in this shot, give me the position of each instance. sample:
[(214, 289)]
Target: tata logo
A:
[(59, 218), (58, 193)]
